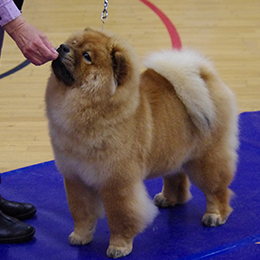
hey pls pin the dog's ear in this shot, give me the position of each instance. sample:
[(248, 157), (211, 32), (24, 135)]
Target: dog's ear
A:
[(120, 65), (88, 29)]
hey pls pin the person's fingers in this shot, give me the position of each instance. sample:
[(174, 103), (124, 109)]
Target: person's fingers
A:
[(33, 55), (53, 53), (47, 53), (34, 60), (37, 52)]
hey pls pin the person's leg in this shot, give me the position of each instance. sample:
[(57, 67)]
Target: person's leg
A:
[(16, 209), (1, 38), (13, 230), (19, 4)]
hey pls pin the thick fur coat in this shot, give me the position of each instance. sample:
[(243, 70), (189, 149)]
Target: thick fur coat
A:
[(112, 127)]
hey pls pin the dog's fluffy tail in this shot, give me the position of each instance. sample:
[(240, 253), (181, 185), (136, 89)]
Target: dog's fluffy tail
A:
[(185, 69)]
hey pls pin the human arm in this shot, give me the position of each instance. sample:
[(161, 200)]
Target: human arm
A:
[(34, 45)]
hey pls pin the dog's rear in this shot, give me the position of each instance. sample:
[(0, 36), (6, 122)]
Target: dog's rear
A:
[(212, 109)]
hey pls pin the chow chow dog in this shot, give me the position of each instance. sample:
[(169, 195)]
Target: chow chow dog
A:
[(112, 127)]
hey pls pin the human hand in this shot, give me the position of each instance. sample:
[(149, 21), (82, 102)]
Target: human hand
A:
[(34, 45)]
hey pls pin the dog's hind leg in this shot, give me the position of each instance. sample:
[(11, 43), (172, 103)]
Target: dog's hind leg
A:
[(129, 210), (175, 191), (85, 207), (213, 174)]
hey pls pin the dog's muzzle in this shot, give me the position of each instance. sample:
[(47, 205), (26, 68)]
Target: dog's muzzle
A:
[(59, 69)]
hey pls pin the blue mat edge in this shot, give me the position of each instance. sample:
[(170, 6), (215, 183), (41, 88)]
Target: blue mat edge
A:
[(203, 255)]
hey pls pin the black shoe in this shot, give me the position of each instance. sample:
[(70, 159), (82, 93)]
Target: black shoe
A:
[(13, 230), (17, 210)]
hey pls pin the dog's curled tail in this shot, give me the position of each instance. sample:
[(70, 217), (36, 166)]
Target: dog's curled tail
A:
[(187, 71)]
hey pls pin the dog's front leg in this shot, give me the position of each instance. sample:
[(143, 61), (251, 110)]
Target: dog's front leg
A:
[(85, 208), (128, 211)]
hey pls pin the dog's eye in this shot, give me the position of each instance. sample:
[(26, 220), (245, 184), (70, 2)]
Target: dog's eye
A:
[(86, 56)]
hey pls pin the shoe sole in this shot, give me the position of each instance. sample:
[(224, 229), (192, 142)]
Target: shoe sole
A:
[(16, 240)]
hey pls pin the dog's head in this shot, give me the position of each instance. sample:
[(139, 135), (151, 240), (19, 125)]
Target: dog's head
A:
[(93, 60)]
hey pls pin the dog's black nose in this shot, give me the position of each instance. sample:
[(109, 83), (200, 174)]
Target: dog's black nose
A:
[(63, 49)]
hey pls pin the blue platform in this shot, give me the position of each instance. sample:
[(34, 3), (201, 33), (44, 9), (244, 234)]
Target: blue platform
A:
[(176, 233)]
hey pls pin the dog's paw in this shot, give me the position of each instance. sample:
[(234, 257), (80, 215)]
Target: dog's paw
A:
[(213, 220), (116, 252), (76, 239), (162, 202)]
